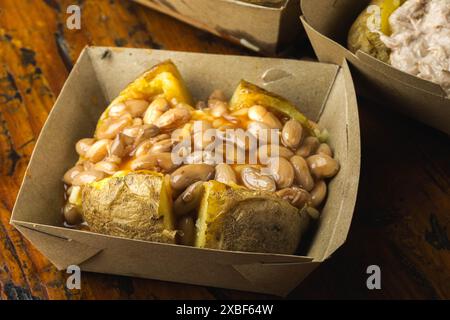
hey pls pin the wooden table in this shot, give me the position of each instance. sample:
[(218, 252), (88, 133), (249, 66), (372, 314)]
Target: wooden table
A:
[(402, 218)]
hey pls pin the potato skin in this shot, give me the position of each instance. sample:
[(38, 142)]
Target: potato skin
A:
[(237, 219), (128, 206), (362, 38)]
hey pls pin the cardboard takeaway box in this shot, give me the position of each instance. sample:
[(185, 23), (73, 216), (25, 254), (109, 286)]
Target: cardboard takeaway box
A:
[(327, 23), (259, 28), (324, 92)]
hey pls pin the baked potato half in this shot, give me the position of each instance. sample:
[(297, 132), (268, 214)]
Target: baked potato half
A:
[(135, 205), (164, 79), (235, 218), (365, 32)]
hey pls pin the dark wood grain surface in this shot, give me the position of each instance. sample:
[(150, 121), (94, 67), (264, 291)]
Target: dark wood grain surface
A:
[(402, 218)]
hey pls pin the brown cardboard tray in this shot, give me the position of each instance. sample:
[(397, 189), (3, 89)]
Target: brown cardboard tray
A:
[(323, 91), (259, 28)]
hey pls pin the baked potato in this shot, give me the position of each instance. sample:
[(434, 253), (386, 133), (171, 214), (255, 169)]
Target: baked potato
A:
[(135, 205), (235, 218), (365, 32), (126, 182)]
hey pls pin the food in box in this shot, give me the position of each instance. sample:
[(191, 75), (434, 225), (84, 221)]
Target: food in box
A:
[(246, 174), (328, 24), (411, 35), (324, 92)]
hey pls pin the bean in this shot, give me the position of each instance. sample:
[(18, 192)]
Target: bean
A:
[(83, 146), (292, 134), (298, 197), (110, 127), (143, 148), (218, 108), (136, 107), (260, 131), (261, 114), (160, 137), (314, 125), (162, 146), (174, 118), (136, 134), (88, 176), (98, 150), (302, 175), (155, 110), (166, 163), (117, 146), (281, 171), (225, 174), (240, 113), (146, 131), (113, 159), (117, 110), (72, 173), (72, 214), (313, 213), (272, 150), (187, 227), (154, 161), (107, 167), (189, 200), (324, 148), (308, 147), (254, 180), (130, 133), (87, 165), (323, 166), (318, 193), (188, 174)]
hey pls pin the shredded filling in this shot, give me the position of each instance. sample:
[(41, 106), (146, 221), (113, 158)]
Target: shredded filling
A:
[(420, 40)]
